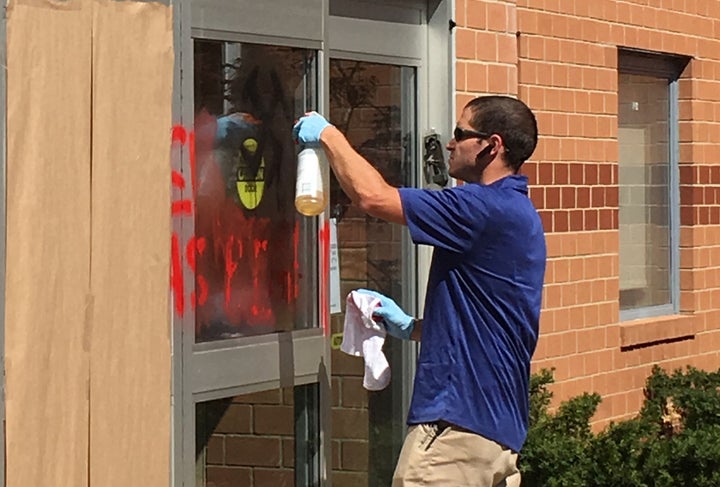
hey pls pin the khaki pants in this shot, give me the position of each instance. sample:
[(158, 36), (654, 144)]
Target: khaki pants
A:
[(445, 455)]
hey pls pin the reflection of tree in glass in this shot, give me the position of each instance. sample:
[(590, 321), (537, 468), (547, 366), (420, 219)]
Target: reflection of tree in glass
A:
[(262, 83), (208, 79), (371, 120), (352, 89)]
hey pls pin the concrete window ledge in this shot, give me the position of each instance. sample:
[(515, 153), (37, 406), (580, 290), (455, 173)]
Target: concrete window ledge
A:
[(650, 331)]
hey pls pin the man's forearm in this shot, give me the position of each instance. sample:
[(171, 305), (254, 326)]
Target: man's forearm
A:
[(417, 330), (355, 174), (365, 186)]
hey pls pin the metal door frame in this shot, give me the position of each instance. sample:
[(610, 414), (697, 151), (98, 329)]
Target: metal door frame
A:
[(310, 348)]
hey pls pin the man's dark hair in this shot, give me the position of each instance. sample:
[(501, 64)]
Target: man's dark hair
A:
[(512, 120)]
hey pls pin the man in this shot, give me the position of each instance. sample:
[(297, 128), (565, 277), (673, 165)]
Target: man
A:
[(469, 412)]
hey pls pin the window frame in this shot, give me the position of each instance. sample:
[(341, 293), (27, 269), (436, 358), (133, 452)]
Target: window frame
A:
[(667, 67), (206, 371)]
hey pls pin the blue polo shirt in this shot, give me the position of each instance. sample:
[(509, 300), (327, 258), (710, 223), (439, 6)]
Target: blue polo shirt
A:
[(482, 306)]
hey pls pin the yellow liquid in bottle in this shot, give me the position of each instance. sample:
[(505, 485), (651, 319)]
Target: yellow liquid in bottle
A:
[(311, 188), (311, 204)]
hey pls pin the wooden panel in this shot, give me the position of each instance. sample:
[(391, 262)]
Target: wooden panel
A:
[(130, 361), (48, 242)]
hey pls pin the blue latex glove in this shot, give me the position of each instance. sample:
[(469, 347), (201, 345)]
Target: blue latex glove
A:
[(308, 129), (396, 322)]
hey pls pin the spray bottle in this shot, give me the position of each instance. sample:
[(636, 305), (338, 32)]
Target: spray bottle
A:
[(313, 178)]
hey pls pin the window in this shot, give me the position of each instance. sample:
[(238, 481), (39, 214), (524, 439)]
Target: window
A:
[(249, 274), (648, 183)]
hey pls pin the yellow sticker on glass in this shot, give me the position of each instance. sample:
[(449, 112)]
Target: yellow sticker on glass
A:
[(250, 187)]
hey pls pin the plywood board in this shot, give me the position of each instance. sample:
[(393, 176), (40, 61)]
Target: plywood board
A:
[(131, 364), (48, 242)]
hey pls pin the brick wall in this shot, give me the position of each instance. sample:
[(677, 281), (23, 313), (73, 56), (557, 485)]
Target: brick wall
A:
[(561, 59), (250, 440)]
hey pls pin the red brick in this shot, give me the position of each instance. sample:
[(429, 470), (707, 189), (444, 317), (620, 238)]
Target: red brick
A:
[(273, 478), (350, 423), (465, 43), (262, 397), (350, 479), (355, 455), (274, 420), (236, 419), (227, 476), (288, 452), (252, 451), (354, 394)]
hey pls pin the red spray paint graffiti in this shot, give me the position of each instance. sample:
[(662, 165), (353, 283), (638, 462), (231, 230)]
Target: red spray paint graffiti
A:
[(245, 268)]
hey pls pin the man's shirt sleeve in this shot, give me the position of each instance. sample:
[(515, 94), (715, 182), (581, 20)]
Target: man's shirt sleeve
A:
[(450, 219)]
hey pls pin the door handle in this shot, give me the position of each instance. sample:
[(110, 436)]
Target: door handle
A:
[(434, 167)]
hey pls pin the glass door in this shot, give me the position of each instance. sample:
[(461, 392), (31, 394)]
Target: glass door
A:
[(376, 77), (261, 395), (254, 333), (255, 267), (374, 105)]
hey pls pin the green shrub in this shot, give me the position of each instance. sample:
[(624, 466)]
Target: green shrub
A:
[(674, 440)]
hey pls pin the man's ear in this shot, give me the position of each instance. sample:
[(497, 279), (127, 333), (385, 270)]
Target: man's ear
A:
[(497, 143)]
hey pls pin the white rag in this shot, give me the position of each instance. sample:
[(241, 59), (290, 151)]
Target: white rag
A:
[(364, 337)]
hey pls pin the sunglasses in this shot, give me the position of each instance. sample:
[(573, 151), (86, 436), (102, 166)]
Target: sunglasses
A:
[(461, 134)]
